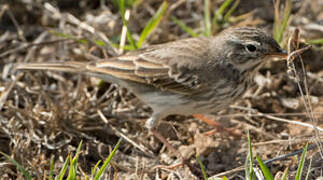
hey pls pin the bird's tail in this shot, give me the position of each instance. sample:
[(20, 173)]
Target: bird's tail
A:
[(70, 66), (87, 68)]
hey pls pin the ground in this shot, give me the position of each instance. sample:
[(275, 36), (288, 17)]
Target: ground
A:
[(46, 115)]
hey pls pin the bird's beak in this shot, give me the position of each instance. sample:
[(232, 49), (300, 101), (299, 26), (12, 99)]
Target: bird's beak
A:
[(281, 54)]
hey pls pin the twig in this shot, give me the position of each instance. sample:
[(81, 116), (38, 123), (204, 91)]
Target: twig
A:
[(251, 114), (31, 51), (56, 14), (285, 156), (20, 31), (25, 46), (254, 111), (293, 53), (4, 95), (145, 150)]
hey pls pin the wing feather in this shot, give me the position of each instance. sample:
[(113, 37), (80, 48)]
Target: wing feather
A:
[(168, 67)]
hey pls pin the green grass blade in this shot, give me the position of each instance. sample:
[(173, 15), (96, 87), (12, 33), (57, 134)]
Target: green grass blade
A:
[(184, 27), (153, 23), (128, 3), (308, 170), (122, 8), (249, 160), (315, 41), (277, 20), (51, 168), (68, 36), (223, 7), (284, 177), (95, 168), (219, 13), (18, 166), (106, 162), (250, 154), (202, 167), (287, 12), (63, 170), (73, 163), (99, 43), (79, 40), (280, 26), (246, 167), (301, 164), (231, 10), (264, 169), (71, 172), (207, 19), (126, 47)]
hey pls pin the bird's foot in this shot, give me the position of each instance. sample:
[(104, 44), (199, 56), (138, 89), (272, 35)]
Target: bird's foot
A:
[(218, 127)]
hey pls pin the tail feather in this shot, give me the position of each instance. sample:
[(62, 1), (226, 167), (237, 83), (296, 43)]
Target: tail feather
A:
[(70, 66), (73, 67)]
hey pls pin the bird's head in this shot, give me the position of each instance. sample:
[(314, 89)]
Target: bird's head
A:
[(248, 48)]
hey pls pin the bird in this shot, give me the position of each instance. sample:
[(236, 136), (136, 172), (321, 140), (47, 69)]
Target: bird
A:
[(200, 75)]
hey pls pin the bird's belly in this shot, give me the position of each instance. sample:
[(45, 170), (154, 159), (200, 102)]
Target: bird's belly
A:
[(168, 103), (209, 102)]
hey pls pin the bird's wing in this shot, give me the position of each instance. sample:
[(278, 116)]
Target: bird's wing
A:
[(174, 66)]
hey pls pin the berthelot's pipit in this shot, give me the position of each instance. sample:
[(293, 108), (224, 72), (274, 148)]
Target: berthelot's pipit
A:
[(190, 76)]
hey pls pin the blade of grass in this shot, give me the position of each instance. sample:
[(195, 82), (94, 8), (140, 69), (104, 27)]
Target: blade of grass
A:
[(315, 41), (79, 40), (71, 172), (301, 164), (63, 170), (184, 27), (280, 26), (287, 11), (231, 10), (249, 160), (18, 166), (202, 167), (284, 177), (219, 13), (309, 169), (264, 169), (277, 20), (123, 36), (95, 168), (51, 168), (106, 162), (207, 19), (68, 36), (126, 47), (153, 23), (73, 163), (122, 9), (246, 168), (128, 3)]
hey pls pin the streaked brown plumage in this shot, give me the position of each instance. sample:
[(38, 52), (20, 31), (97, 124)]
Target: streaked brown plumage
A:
[(197, 75)]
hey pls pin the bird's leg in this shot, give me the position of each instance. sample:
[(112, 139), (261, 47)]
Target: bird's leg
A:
[(216, 125), (154, 131), (166, 143), (151, 125)]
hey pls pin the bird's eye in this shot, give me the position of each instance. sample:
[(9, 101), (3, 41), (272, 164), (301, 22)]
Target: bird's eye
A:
[(251, 48)]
